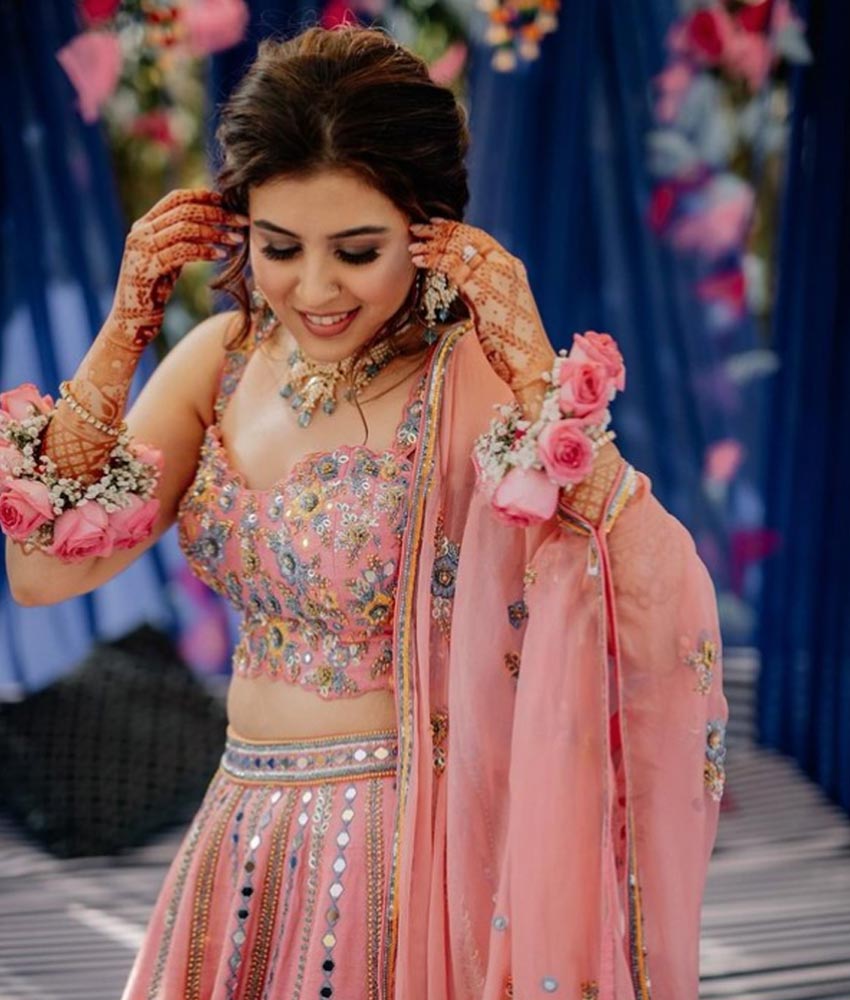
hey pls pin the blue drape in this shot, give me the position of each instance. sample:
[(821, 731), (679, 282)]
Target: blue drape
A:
[(558, 167), (60, 245), (804, 685)]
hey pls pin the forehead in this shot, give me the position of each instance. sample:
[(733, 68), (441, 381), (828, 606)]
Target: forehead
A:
[(323, 203)]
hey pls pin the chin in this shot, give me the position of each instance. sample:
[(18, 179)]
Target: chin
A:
[(337, 346)]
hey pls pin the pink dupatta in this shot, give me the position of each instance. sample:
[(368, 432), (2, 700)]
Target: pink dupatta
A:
[(561, 716)]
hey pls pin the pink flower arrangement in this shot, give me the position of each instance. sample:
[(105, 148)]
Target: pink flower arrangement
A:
[(60, 515), (521, 466)]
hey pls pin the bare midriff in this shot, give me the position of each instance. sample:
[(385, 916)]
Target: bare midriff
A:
[(265, 708)]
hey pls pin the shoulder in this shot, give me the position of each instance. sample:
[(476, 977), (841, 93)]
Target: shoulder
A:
[(199, 356)]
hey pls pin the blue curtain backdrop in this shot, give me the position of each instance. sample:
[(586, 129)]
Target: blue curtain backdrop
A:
[(558, 165), (804, 687), (60, 244)]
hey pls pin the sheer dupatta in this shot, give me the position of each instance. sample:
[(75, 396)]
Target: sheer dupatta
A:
[(556, 690)]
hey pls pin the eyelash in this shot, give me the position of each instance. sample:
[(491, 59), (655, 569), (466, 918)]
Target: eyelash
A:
[(273, 253)]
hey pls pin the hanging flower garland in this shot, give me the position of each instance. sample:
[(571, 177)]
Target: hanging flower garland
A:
[(138, 66), (721, 109), (721, 112)]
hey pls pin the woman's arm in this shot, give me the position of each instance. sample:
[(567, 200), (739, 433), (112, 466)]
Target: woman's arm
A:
[(170, 413)]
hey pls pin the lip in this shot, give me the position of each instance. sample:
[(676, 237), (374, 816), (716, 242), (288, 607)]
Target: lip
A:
[(329, 331)]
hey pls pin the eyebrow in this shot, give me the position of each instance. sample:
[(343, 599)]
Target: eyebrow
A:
[(357, 231)]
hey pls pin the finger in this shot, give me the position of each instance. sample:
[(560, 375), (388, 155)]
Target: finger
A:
[(194, 232), (194, 212), (175, 256), (184, 196), (426, 229)]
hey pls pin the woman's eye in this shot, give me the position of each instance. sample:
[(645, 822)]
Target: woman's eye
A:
[(364, 257), (278, 253), (286, 253)]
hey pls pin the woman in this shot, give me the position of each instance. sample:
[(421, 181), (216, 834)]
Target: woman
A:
[(466, 758)]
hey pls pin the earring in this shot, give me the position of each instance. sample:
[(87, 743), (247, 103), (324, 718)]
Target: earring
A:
[(266, 318), (436, 294)]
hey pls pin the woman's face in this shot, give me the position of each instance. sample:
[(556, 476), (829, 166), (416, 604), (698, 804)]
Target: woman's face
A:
[(330, 254)]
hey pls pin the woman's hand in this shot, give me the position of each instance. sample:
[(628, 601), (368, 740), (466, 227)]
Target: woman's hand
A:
[(184, 226), (494, 285)]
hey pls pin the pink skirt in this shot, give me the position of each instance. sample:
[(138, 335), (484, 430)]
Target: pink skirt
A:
[(278, 888)]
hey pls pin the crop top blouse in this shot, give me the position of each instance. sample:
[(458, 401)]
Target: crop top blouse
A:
[(312, 561)]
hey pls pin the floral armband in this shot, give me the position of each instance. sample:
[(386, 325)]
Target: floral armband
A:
[(63, 516), (525, 467)]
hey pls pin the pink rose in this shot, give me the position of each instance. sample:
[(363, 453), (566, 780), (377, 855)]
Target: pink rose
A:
[(99, 10), (754, 16), (10, 461), (23, 401), (601, 349), (749, 56), (24, 507), (134, 523), (147, 455), (213, 25), (92, 62), (586, 390), (525, 497), (707, 34), (82, 532), (566, 452)]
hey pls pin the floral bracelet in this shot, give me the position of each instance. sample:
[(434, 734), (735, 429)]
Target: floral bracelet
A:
[(523, 466), (61, 515)]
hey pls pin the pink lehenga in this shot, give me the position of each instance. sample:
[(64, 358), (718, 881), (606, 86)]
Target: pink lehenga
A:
[(547, 821)]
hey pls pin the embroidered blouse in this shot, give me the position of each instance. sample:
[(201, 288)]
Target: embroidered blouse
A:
[(312, 561)]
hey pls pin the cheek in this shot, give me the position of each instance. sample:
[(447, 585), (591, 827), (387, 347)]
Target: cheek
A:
[(268, 275), (387, 281)]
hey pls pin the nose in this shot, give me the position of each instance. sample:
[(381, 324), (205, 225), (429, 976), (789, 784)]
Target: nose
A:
[(317, 285)]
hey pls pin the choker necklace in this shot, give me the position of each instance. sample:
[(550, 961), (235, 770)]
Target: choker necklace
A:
[(312, 383)]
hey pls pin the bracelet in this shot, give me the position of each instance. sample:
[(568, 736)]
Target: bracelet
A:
[(81, 411), (61, 515), (523, 466)]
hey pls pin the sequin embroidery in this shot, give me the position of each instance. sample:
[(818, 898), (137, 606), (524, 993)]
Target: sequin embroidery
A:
[(715, 758), (311, 562)]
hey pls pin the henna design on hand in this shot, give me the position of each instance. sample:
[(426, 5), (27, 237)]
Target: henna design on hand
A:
[(184, 226), (494, 285)]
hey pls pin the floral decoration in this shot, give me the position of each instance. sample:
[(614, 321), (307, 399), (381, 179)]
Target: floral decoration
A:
[(63, 516), (516, 29), (523, 466)]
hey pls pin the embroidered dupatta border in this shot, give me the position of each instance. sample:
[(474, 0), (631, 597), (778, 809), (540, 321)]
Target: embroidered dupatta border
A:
[(623, 488), (405, 598)]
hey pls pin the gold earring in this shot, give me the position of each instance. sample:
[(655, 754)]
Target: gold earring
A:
[(436, 294)]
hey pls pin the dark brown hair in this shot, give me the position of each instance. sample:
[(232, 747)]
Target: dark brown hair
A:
[(346, 98)]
